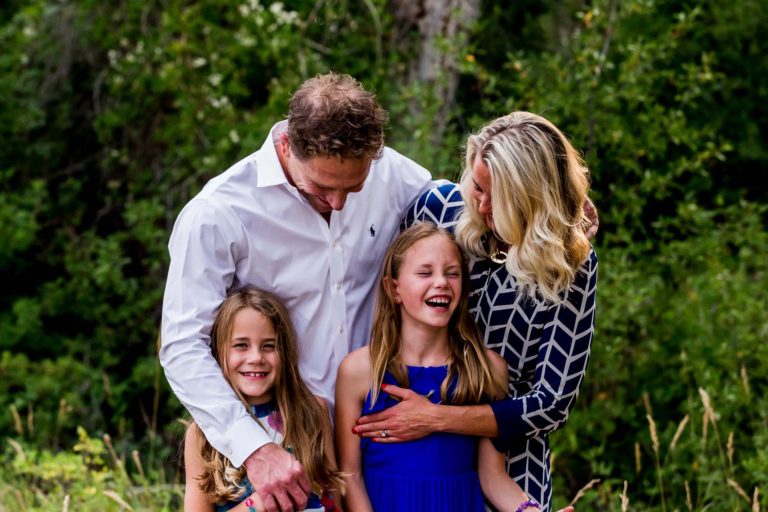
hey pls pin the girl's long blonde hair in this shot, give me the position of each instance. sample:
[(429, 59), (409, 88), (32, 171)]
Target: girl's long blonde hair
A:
[(304, 418), (538, 188), (468, 362)]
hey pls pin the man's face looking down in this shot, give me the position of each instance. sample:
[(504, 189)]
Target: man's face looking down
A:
[(324, 180)]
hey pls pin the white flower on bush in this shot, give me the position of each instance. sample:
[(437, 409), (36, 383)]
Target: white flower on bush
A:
[(219, 102), (282, 16)]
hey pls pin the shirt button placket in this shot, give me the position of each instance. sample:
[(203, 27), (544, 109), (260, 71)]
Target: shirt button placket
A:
[(338, 299)]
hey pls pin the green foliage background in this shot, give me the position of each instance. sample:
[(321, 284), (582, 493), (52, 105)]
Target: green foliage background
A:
[(114, 114)]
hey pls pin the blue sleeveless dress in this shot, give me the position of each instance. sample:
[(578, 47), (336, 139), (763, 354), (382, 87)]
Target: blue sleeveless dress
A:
[(435, 473), (269, 418)]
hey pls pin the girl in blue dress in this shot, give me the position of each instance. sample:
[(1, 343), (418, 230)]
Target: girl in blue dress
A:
[(254, 343), (424, 339)]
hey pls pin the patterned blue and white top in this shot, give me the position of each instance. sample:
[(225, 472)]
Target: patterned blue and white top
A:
[(546, 346)]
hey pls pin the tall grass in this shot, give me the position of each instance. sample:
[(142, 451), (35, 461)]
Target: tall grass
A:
[(88, 476), (710, 482)]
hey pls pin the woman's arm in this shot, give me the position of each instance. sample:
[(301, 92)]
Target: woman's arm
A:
[(416, 417), (352, 383), (562, 359), (562, 362), (440, 205)]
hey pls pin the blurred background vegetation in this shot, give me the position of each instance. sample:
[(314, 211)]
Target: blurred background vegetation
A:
[(114, 114)]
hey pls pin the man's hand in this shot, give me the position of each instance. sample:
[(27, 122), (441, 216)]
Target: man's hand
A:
[(413, 418), (278, 479), (592, 223)]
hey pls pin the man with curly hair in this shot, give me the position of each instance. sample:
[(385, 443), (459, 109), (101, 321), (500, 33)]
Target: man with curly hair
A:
[(308, 217)]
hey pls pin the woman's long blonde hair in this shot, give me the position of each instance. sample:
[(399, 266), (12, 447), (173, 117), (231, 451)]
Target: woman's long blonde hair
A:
[(538, 188), (468, 362), (304, 418)]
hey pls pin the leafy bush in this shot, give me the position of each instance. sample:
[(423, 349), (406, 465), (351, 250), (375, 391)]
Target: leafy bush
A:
[(671, 325)]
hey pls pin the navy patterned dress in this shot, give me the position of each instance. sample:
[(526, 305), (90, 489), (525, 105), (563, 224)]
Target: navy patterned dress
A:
[(546, 347)]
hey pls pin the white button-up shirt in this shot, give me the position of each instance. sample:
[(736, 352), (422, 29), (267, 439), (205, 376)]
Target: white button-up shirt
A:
[(250, 226)]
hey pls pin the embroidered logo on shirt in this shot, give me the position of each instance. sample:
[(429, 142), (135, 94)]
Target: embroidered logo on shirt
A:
[(373, 230)]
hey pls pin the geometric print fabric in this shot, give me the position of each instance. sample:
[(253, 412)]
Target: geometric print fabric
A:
[(546, 347)]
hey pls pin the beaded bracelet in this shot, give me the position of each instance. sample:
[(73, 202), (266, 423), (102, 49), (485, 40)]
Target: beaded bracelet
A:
[(249, 504), (528, 504)]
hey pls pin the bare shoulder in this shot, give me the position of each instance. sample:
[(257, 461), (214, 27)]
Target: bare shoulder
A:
[(498, 364), (354, 378), (192, 436), (357, 364)]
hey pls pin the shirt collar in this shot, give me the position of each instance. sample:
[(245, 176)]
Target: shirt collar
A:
[(270, 172)]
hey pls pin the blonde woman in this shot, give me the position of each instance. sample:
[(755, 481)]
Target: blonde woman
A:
[(519, 213)]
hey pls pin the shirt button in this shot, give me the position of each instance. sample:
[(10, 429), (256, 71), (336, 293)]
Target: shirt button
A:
[(338, 286), (341, 329)]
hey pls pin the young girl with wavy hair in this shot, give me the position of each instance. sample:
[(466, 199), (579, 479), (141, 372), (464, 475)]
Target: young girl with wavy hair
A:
[(253, 341), (423, 339)]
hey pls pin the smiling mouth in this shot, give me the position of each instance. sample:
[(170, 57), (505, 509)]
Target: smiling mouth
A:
[(441, 303), (254, 375)]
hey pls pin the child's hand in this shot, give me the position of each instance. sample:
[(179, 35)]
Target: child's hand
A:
[(567, 509)]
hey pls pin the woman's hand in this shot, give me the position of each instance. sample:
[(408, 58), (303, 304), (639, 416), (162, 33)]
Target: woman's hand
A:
[(413, 418), (592, 221)]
